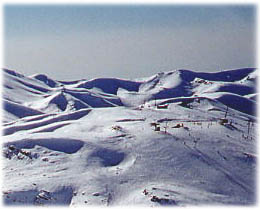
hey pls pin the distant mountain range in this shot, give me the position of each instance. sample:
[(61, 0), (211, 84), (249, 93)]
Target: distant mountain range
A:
[(38, 94)]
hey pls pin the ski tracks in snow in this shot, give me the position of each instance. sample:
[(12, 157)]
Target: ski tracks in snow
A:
[(213, 163)]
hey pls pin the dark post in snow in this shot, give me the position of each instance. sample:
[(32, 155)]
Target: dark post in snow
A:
[(248, 127), (226, 112)]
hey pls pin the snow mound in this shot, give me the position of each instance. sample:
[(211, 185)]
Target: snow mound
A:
[(110, 85), (46, 120), (238, 89), (57, 144), (235, 101), (93, 99), (59, 100), (45, 79), (13, 73), (18, 110), (225, 76)]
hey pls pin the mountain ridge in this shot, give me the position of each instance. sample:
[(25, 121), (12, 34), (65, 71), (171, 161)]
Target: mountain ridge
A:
[(107, 92)]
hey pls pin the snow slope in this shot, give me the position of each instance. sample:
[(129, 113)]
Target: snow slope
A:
[(95, 142)]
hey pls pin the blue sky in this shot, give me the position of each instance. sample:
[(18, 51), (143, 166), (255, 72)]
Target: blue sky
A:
[(70, 42)]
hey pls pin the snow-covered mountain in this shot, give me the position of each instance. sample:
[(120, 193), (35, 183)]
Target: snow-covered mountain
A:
[(175, 138), (39, 94)]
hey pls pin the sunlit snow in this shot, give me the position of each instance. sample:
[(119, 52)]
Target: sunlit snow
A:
[(177, 138)]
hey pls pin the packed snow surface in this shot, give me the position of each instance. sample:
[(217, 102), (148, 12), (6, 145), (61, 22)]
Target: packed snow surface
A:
[(177, 138)]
